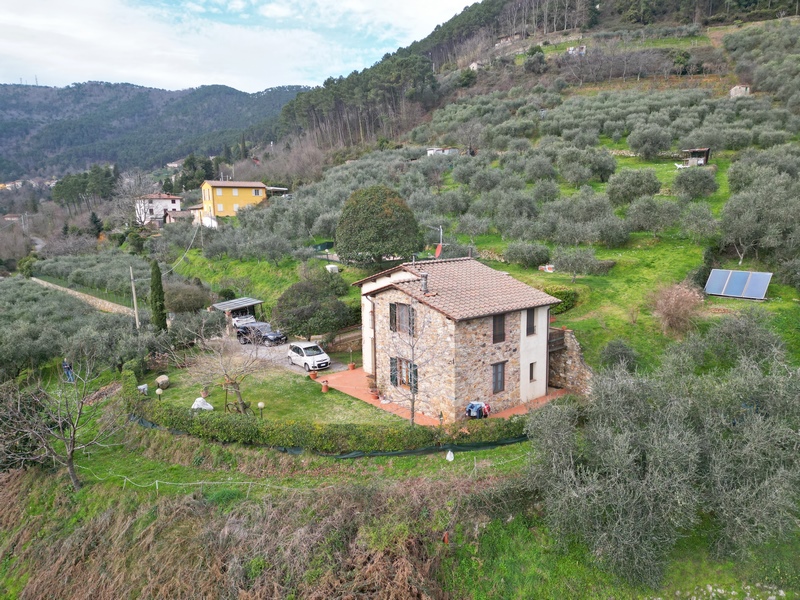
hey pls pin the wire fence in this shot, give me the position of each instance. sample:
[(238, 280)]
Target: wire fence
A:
[(122, 299), (157, 484)]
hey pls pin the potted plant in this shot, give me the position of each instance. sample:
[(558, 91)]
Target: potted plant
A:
[(313, 374), (351, 365), (373, 387)]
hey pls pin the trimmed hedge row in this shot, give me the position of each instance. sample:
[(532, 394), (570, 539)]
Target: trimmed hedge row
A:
[(568, 297), (326, 438)]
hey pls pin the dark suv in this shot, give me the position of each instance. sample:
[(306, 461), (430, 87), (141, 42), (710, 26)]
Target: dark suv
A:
[(259, 333)]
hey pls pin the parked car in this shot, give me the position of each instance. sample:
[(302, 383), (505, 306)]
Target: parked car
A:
[(259, 333), (240, 320), (309, 356)]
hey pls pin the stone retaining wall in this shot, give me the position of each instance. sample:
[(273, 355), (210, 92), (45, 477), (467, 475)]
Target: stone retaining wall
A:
[(568, 370), (98, 303)]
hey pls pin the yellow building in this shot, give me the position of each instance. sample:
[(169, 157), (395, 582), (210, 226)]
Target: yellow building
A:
[(225, 198)]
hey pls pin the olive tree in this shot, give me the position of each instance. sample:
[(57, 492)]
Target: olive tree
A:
[(648, 140), (713, 432), (694, 183), (628, 184), (651, 214)]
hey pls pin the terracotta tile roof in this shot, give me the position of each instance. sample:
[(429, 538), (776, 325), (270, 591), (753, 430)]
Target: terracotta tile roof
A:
[(161, 197), (463, 288), (235, 184)]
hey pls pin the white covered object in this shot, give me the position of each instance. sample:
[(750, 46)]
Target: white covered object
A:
[(201, 404)]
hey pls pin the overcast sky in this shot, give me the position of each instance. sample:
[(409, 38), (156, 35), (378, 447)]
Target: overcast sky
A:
[(249, 45)]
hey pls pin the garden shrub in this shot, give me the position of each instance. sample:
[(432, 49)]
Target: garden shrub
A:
[(325, 438), (567, 295)]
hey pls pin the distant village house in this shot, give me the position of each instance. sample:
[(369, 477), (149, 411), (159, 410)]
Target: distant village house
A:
[(740, 90), (151, 207)]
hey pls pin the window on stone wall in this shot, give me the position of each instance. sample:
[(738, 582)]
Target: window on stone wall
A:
[(403, 373), (498, 329), (530, 321), (401, 318), (498, 377)]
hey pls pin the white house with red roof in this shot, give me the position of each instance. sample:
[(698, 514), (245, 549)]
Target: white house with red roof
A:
[(152, 207)]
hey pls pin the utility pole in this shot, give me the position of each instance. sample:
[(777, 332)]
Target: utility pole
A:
[(135, 306)]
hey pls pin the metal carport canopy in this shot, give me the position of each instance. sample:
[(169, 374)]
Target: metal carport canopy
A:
[(237, 304)]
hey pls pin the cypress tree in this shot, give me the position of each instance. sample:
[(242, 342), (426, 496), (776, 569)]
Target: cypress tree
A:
[(158, 313), (96, 225)]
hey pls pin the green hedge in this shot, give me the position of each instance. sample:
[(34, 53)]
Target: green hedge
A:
[(326, 438), (568, 297)]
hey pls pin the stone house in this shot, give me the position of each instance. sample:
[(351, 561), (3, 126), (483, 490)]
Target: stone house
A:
[(450, 332)]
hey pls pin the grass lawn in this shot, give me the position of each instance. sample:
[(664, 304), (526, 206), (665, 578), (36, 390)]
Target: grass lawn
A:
[(262, 279), (287, 396)]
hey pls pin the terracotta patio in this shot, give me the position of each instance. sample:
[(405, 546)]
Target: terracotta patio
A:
[(354, 383)]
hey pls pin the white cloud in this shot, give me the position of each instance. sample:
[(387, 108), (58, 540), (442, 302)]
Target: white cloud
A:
[(276, 11), (250, 45)]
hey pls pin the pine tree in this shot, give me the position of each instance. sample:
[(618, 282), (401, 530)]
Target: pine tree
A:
[(158, 313), (96, 225)]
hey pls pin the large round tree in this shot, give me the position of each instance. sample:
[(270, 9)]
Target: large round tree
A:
[(376, 223)]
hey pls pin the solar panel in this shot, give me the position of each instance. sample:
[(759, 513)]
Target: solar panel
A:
[(716, 281), (757, 286), (738, 284)]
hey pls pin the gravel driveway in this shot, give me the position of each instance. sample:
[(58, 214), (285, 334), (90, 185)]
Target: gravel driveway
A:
[(278, 356)]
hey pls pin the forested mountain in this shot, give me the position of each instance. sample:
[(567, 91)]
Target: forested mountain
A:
[(49, 131)]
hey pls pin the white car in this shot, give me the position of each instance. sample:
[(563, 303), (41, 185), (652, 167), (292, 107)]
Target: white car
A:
[(238, 321), (309, 356)]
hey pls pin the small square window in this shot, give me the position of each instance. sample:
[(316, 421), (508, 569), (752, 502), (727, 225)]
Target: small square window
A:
[(235, 191), (219, 191), (498, 377), (220, 207), (498, 329), (530, 321), (256, 192), (235, 208)]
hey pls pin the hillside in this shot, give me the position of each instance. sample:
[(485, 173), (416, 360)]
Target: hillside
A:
[(49, 131)]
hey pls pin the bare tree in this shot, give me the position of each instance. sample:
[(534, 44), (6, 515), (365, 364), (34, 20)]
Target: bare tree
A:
[(410, 348), (44, 424), (129, 207), (213, 360)]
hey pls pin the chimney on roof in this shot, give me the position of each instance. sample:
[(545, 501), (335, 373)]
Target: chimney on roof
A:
[(424, 277)]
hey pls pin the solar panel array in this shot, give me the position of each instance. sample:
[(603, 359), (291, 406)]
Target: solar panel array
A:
[(738, 284)]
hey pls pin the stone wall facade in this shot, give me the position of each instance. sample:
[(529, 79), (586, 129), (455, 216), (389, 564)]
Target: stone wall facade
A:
[(476, 354), (568, 370), (432, 349)]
